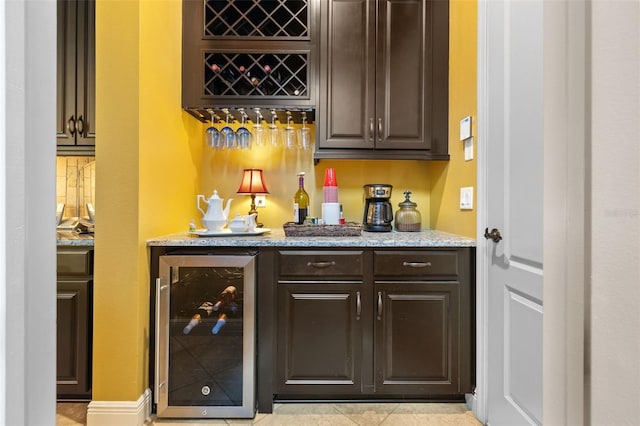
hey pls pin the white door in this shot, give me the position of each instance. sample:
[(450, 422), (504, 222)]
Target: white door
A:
[(514, 193)]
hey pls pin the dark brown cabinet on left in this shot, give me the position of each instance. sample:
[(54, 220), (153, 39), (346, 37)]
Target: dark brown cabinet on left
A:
[(74, 319), (76, 112)]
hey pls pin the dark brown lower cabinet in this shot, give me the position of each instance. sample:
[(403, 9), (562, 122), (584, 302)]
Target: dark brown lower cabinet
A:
[(74, 322), (416, 335), (374, 324), (320, 338), (73, 339)]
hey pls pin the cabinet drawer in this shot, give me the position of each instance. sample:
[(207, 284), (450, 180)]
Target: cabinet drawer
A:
[(321, 263), (416, 263), (75, 261)]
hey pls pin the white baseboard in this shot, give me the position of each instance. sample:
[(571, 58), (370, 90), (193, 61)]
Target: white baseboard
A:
[(120, 413)]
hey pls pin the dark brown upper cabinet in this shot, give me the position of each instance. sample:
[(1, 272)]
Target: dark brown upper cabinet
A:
[(384, 68), (76, 112), (239, 53)]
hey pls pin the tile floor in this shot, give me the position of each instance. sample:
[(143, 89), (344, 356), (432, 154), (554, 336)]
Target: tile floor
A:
[(328, 414)]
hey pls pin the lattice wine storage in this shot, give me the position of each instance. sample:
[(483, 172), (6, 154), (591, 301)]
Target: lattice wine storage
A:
[(257, 53)]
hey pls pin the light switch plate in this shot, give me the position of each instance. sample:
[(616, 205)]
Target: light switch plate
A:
[(261, 201), (468, 149), (465, 128), (466, 198)]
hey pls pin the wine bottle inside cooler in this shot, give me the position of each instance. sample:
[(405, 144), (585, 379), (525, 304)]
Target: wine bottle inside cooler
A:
[(204, 310), (226, 299), (222, 320)]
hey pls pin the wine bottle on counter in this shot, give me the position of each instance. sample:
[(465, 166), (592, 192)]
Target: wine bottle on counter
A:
[(203, 310), (222, 320), (226, 299), (300, 202)]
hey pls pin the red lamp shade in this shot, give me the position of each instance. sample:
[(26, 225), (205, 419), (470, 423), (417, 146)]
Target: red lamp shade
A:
[(252, 182)]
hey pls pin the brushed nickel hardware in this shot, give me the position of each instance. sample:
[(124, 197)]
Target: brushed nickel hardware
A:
[(494, 235), (71, 125), (416, 264), (379, 316), (371, 129), (358, 306), (80, 126), (379, 127), (321, 265)]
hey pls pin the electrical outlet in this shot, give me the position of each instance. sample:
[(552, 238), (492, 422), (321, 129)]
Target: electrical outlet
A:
[(466, 198), (261, 200)]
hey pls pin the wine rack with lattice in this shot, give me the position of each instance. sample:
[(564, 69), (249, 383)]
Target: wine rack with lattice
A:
[(279, 75), (256, 18)]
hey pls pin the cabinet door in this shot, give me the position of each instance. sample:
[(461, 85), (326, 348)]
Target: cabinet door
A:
[(66, 72), (319, 342), (74, 339), (75, 119), (86, 74), (347, 61), (417, 338), (403, 116)]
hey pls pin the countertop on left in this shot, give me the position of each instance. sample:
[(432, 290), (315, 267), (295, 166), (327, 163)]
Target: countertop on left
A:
[(71, 238)]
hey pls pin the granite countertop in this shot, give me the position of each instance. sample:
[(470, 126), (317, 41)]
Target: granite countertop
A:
[(71, 238), (276, 238)]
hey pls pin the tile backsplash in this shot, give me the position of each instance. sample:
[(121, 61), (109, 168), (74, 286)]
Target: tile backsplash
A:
[(75, 184)]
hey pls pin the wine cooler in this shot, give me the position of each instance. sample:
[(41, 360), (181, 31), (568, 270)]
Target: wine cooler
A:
[(205, 337)]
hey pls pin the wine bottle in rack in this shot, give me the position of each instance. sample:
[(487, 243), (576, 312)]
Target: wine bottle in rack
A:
[(204, 310)]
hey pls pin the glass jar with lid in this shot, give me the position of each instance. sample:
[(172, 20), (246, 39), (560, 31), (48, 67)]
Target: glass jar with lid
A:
[(408, 219)]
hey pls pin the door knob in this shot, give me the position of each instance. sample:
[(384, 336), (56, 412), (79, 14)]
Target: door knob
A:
[(494, 235)]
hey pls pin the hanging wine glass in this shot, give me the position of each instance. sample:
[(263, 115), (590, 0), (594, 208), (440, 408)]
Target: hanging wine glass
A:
[(304, 138), (258, 129), (243, 135), (212, 135), (290, 140), (227, 133), (273, 132)]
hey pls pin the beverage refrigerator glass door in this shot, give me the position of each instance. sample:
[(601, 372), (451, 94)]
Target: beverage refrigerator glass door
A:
[(205, 339)]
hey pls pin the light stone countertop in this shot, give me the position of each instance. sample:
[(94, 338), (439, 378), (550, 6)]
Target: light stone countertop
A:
[(71, 238), (276, 238)]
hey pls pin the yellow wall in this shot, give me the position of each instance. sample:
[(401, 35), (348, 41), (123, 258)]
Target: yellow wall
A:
[(448, 177), (222, 170), (151, 164), (148, 154)]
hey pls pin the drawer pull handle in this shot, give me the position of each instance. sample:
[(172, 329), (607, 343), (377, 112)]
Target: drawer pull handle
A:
[(416, 264), (379, 316), (321, 265), (358, 306)]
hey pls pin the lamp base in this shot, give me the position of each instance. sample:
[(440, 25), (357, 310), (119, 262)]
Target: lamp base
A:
[(253, 210)]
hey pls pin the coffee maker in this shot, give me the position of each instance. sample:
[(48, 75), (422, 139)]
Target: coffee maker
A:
[(378, 212)]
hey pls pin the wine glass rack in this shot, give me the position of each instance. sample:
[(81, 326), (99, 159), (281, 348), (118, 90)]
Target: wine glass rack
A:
[(266, 114), (256, 18)]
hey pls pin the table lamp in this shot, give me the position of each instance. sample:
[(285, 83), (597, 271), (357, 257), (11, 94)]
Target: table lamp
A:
[(253, 183)]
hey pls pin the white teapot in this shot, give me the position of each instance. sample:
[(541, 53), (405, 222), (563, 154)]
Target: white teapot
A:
[(215, 218), (243, 223)]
